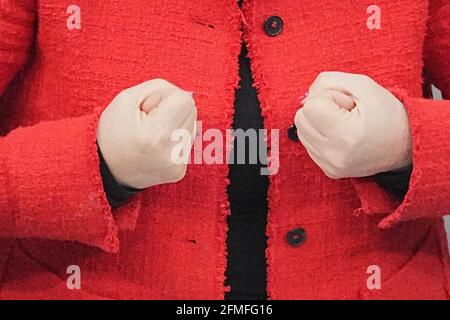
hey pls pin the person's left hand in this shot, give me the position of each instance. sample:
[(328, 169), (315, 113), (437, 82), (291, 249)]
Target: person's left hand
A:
[(353, 127)]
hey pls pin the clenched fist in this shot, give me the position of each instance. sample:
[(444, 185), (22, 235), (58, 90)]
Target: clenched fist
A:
[(353, 127), (134, 133)]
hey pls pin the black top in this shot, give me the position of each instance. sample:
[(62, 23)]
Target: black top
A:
[(247, 192)]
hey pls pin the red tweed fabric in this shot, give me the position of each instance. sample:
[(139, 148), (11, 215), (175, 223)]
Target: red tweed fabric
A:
[(55, 81)]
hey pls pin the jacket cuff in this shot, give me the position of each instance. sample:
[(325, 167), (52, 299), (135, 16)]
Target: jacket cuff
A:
[(125, 202), (429, 186), (51, 186)]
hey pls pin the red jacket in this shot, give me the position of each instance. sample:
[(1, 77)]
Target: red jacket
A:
[(55, 80)]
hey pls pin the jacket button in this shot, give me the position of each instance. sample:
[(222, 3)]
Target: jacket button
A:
[(273, 26), (292, 133), (295, 237)]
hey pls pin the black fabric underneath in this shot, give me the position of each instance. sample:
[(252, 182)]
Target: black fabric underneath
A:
[(246, 241)]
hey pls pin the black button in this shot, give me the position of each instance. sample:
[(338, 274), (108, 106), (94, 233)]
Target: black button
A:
[(273, 26), (292, 133), (295, 237)]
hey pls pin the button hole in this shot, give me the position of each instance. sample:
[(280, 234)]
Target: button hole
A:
[(205, 24)]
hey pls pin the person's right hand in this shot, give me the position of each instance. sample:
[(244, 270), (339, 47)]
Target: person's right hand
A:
[(134, 133)]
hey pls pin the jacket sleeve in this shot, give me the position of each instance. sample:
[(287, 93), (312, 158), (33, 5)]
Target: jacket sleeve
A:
[(50, 182), (428, 194)]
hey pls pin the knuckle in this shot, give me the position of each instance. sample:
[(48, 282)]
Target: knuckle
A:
[(298, 118), (333, 173), (365, 80), (189, 102), (309, 109), (322, 77), (195, 114), (124, 95), (192, 101), (160, 82), (195, 111), (178, 173)]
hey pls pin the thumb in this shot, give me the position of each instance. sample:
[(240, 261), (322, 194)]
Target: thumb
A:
[(342, 99), (325, 110), (151, 102)]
